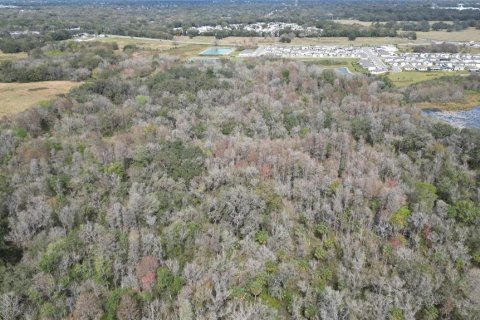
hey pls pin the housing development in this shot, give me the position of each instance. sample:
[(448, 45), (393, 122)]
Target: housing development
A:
[(259, 28), (376, 60)]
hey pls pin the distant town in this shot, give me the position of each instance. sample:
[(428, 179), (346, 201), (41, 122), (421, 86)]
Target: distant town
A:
[(260, 28)]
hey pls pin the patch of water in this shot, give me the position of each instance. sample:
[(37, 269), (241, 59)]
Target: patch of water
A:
[(460, 119)]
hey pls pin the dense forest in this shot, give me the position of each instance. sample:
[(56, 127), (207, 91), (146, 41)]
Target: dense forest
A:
[(249, 189)]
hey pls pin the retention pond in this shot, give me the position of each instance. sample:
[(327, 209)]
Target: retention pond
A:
[(460, 119)]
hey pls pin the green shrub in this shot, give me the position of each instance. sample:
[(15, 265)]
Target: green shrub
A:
[(286, 75), (430, 313), (399, 218), (319, 253), (20, 132), (47, 311), (267, 193), (476, 257), (181, 161), (425, 194), (142, 100), (115, 168), (256, 288), (227, 128), (271, 266), (465, 211), (395, 313), (168, 285), (48, 262), (321, 229), (310, 311), (103, 270), (111, 304), (261, 237)]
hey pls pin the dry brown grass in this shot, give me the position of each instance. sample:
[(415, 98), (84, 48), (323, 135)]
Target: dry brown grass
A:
[(470, 34), (182, 48), (17, 97), (185, 51), (154, 44), (353, 21), (12, 56)]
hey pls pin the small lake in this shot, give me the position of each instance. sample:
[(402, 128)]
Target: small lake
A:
[(343, 70), (460, 119), (214, 51)]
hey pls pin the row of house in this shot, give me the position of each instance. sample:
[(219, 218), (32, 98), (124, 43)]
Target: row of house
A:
[(307, 51), (434, 61), (368, 58)]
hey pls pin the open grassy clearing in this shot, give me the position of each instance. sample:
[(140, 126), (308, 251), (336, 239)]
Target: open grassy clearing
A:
[(250, 42), (354, 21), (406, 78), (180, 49), (369, 23), (470, 34), (17, 97), (186, 51), (335, 63), (155, 44), (230, 41), (12, 56)]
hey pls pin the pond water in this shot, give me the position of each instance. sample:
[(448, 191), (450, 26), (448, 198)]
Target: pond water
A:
[(343, 70), (214, 51), (460, 119)]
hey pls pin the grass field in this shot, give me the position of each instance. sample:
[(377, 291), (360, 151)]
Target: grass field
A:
[(255, 41), (17, 97), (154, 44), (12, 56), (336, 63), (406, 78), (353, 21), (185, 51), (470, 34), (369, 23), (180, 49)]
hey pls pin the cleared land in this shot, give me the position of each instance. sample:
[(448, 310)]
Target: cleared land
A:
[(406, 78), (470, 34), (186, 51), (12, 56), (369, 23), (154, 44), (180, 49), (335, 63), (17, 97), (353, 21)]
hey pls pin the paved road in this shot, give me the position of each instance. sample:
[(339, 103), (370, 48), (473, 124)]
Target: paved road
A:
[(375, 59)]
